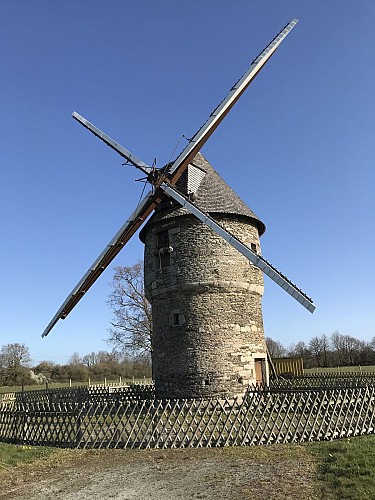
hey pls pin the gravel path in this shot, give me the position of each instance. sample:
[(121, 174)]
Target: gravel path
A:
[(274, 472)]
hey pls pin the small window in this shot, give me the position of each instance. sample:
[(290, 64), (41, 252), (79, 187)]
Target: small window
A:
[(254, 247), (176, 319), (163, 239), (163, 246)]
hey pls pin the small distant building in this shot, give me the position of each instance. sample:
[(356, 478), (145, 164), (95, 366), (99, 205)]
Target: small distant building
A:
[(208, 338)]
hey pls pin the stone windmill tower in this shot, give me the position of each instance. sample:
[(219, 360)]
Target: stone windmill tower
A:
[(206, 297), (203, 268)]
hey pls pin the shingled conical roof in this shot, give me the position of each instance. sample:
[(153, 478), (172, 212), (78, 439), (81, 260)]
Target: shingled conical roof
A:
[(209, 192)]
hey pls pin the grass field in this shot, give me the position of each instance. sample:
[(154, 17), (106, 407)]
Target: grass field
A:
[(124, 381), (346, 468), (12, 455)]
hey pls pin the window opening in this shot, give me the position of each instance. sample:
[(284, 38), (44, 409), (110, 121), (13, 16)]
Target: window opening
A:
[(163, 239), (163, 249), (176, 319)]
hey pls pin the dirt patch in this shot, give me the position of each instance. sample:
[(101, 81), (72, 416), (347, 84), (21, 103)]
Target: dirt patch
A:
[(274, 472)]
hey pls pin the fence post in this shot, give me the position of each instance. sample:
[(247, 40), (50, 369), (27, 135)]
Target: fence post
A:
[(79, 432)]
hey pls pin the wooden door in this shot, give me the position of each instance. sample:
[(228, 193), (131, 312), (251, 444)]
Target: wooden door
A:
[(260, 371)]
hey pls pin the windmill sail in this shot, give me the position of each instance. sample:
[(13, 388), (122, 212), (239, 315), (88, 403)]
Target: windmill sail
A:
[(137, 218), (167, 178), (220, 112), (256, 259), (112, 144)]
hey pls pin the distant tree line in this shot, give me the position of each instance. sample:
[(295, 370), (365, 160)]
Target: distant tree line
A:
[(327, 351), (16, 367)]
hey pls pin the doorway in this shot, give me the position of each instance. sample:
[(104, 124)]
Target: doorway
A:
[(260, 371)]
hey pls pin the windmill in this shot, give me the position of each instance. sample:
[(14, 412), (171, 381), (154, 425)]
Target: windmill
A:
[(208, 337)]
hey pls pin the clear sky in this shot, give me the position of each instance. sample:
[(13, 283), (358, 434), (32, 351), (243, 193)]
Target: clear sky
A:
[(298, 148)]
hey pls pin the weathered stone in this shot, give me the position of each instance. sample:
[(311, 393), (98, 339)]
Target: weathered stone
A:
[(206, 301)]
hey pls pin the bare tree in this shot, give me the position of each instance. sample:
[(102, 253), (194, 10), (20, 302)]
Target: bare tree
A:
[(90, 359), (95, 358), (275, 348), (300, 350), (14, 355), (108, 357), (347, 349), (352, 346), (131, 328), (319, 347), (75, 359)]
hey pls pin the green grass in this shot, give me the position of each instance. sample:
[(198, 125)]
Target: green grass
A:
[(17, 388), (11, 455), (346, 468), (7, 389)]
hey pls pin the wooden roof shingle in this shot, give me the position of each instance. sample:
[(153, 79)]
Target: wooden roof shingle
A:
[(209, 192)]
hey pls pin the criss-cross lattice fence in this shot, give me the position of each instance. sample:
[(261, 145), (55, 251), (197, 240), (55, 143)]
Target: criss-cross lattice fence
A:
[(97, 393), (262, 417), (7, 398), (324, 381)]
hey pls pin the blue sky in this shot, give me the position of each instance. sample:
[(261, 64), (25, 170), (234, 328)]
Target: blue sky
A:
[(298, 148)]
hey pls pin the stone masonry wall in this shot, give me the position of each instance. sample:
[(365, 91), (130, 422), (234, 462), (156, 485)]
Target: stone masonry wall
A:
[(206, 302)]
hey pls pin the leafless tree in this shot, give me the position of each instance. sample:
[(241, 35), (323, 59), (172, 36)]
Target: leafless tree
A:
[(275, 348), (319, 347), (14, 355), (299, 350), (75, 359), (90, 359), (131, 327), (95, 358), (346, 348)]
